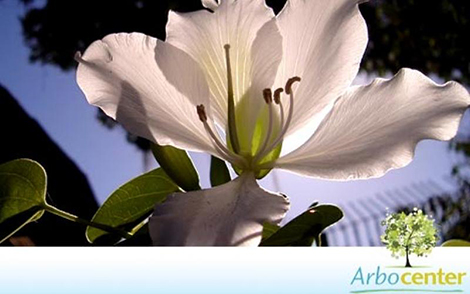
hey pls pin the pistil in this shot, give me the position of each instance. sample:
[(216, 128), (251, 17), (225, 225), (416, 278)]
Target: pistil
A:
[(269, 143), (232, 126)]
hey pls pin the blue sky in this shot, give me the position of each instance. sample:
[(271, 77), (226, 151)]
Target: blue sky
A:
[(53, 98)]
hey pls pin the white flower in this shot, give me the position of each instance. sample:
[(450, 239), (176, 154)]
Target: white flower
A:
[(225, 68)]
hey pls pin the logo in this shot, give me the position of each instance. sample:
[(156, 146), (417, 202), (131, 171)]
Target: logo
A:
[(407, 234), (407, 280)]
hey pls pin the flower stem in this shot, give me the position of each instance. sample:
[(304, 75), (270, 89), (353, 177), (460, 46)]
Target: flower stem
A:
[(76, 219)]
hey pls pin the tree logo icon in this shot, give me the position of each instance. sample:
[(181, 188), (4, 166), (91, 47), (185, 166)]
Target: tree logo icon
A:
[(406, 234)]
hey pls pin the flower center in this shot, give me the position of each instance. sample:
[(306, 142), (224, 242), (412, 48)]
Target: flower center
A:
[(271, 140)]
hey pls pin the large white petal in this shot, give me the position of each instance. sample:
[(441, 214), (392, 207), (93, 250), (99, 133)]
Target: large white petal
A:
[(255, 55), (323, 43), (120, 74), (228, 215), (375, 128)]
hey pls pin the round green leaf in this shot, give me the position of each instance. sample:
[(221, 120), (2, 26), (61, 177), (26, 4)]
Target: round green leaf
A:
[(305, 228), (178, 166), (23, 185), (456, 243), (130, 205)]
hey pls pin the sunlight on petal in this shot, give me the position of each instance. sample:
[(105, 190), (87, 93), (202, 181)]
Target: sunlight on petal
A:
[(203, 35), (375, 128), (120, 75), (323, 44)]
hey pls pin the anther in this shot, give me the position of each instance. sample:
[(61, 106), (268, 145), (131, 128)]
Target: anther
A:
[(277, 95), (284, 126), (268, 96), (216, 140), (201, 112), (289, 84)]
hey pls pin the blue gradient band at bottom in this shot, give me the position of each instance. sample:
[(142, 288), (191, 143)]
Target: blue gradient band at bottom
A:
[(224, 270)]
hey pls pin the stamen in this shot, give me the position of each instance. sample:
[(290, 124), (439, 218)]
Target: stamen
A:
[(268, 97), (281, 135), (277, 95), (232, 126), (289, 84), (277, 100), (281, 107), (201, 112), (235, 158)]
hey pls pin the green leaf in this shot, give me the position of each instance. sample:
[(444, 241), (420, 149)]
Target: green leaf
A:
[(268, 230), (178, 166), (456, 243), (140, 238), (305, 228), (130, 205), (23, 185), (219, 172)]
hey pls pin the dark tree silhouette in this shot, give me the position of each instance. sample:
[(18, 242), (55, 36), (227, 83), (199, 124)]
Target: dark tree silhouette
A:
[(67, 186), (60, 28), (55, 32), (425, 35)]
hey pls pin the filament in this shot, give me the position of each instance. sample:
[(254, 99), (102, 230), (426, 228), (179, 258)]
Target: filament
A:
[(285, 127), (268, 98)]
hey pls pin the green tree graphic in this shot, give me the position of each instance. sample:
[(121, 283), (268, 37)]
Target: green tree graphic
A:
[(407, 234)]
